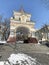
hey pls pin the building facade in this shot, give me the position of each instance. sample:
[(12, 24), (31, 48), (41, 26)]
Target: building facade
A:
[(43, 33), (21, 23)]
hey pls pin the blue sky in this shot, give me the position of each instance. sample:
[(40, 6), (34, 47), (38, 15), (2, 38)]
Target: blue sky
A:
[(39, 13)]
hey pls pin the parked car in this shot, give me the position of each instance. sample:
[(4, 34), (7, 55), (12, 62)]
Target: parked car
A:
[(47, 43), (44, 43)]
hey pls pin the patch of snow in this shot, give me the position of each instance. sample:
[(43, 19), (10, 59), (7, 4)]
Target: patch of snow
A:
[(20, 42), (22, 59), (4, 63), (2, 42), (38, 43), (1, 63)]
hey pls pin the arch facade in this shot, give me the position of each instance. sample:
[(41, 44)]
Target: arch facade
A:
[(21, 19)]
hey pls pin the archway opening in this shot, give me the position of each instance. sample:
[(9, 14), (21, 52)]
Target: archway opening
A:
[(22, 33)]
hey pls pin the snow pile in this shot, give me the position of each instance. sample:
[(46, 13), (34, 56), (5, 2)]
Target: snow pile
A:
[(2, 42), (4, 63), (1, 63), (22, 59)]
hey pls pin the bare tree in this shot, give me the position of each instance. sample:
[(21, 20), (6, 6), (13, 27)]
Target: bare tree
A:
[(6, 28)]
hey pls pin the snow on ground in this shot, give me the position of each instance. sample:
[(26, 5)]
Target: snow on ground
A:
[(20, 59), (1, 63), (2, 42), (4, 63), (20, 42)]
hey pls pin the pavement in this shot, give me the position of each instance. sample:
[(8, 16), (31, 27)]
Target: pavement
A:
[(38, 51)]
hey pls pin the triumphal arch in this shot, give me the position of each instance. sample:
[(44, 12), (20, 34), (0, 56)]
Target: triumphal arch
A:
[(20, 23)]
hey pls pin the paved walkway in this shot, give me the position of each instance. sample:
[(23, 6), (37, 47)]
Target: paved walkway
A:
[(40, 52), (30, 48)]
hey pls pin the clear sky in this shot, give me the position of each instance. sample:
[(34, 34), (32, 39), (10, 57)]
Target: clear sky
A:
[(39, 13)]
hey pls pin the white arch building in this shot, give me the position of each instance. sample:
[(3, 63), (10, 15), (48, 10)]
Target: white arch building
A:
[(21, 19)]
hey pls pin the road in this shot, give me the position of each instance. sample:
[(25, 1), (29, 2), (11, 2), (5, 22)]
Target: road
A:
[(40, 52)]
